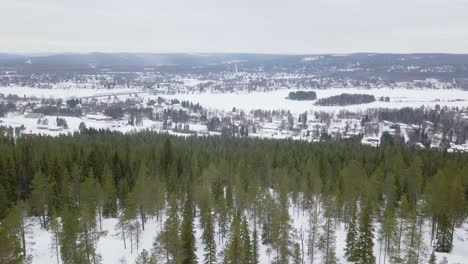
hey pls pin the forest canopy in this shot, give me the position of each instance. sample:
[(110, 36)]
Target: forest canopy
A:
[(241, 185), (346, 99), (302, 95)]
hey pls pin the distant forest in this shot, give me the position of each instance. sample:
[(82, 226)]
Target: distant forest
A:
[(302, 95), (346, 99), (241, 189)]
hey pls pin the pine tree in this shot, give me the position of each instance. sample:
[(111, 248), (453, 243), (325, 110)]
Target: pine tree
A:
[(233, 253), (208, 240), (40, 196), (145, 258), (255, 253), (281, 229), (142, 193), (109, 195), (327, 240), (404, 213), (130, 218), (364, 252), (19, 223), (187, 235), (313, 228), (246, 243), (387, 230), (351, 237), (168, 243), (71, 248), (10, 242), (87, 219), (412, 239), (55, 228)]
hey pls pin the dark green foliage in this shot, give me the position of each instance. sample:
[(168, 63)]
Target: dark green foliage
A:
[(246, 243), (255, 245), (4, 202), (187, 236), (145, 257), (99, 173), (234, 252), (351, 240), (10, 243), (209, 240), (302, 95), (346, 99), (364, 251)]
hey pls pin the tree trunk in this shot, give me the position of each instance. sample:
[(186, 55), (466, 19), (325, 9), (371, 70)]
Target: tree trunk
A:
[(57, 247), (100, 218), (142, 219), (23, 234), (123, 236), (399, 235), (131, 241)]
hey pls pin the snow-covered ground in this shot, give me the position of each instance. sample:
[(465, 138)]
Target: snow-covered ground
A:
[(63, 93), (274, 100), (112, 249)]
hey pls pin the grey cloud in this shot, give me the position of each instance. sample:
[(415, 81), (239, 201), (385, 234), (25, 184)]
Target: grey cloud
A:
[(268, 26)]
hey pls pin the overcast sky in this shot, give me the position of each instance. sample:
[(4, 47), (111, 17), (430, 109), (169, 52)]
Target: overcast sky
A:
[(263, 26)]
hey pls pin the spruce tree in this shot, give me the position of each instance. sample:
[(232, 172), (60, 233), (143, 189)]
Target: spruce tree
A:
[(233, 253), (71, 248), (167, 244), (145, 257), (255, 253), (40, 197), (55, 228), (364, 252), (246, 243), (208, 240), (351, 237), (328, 237), (109, 195), (187, 235), (10, 242), (387, 229)]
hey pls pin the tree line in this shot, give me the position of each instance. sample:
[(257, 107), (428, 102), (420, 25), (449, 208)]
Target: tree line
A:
[(345, 99)]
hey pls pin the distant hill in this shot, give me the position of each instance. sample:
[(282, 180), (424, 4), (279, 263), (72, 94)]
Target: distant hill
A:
[(359, 65), (7, 57)]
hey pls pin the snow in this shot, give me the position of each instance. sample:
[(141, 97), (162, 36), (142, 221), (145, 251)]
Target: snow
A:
[(274, 100), (112, 249), (57, 92)]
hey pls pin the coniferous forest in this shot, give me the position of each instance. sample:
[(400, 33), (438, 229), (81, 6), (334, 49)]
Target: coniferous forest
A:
[(244, 193)]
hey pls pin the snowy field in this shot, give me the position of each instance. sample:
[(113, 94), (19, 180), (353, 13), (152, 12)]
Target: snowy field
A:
[(274, 100), (73, 124), (57, 92), (32, 127)]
